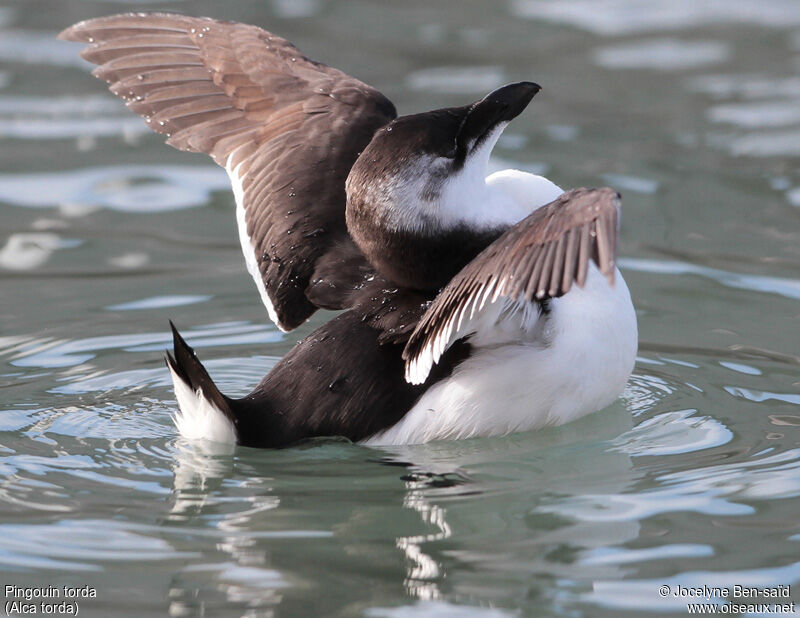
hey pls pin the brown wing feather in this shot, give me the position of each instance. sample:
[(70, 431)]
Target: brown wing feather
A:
[(249, 99), (540, 257)]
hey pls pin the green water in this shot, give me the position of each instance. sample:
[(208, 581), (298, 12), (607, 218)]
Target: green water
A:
[(691, 108)]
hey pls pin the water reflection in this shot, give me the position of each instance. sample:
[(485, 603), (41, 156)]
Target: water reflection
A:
[(570, 505), (671, 433), (457, 80), (207, 500), (128, 188), (423, 571), (200, 468), (46, 352), (626, 182), (64, 544), (39, 47), (662, 55), (85, 118), (790, 288), (27, 251), (745, 85), (621, 17)]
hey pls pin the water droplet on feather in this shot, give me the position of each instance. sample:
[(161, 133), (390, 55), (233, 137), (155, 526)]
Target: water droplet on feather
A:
[(336, 384)]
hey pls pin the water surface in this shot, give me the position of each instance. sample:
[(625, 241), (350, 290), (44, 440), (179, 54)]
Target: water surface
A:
[(690, 108)]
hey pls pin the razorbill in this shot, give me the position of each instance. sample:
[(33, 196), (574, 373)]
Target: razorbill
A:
[(472, 305)]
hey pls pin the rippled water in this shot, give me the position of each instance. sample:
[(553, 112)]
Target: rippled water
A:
[(689, 107)]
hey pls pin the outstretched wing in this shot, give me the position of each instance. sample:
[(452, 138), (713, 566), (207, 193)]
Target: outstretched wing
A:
[(287, 130), (540, 257)]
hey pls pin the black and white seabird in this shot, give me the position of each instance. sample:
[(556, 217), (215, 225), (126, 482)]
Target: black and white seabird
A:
[(472, 305)]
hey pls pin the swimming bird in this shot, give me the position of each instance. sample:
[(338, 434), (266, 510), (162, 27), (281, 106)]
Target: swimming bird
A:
[(469, 305)]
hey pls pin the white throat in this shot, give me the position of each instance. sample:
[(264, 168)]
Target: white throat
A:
[(470, 198), (473, 200), (499, 200), (430, 197)]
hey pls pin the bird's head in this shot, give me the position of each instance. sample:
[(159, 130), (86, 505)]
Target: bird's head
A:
[(418, 205), (423, 173)]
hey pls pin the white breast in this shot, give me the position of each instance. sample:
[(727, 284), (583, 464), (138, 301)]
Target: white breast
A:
[(574, 361)]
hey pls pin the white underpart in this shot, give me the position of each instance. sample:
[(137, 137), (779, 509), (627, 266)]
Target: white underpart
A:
[(528, 192), (575, 361), (248, 248), (504, 198), (198, 418), (526, 371)]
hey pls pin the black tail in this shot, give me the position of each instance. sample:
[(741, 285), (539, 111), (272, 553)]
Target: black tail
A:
[(190, 370)]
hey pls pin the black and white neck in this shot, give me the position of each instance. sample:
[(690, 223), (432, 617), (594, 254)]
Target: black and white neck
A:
[(418, 203)]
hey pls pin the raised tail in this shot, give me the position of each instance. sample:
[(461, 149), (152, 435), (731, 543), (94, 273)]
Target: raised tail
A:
[(204, 411)]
